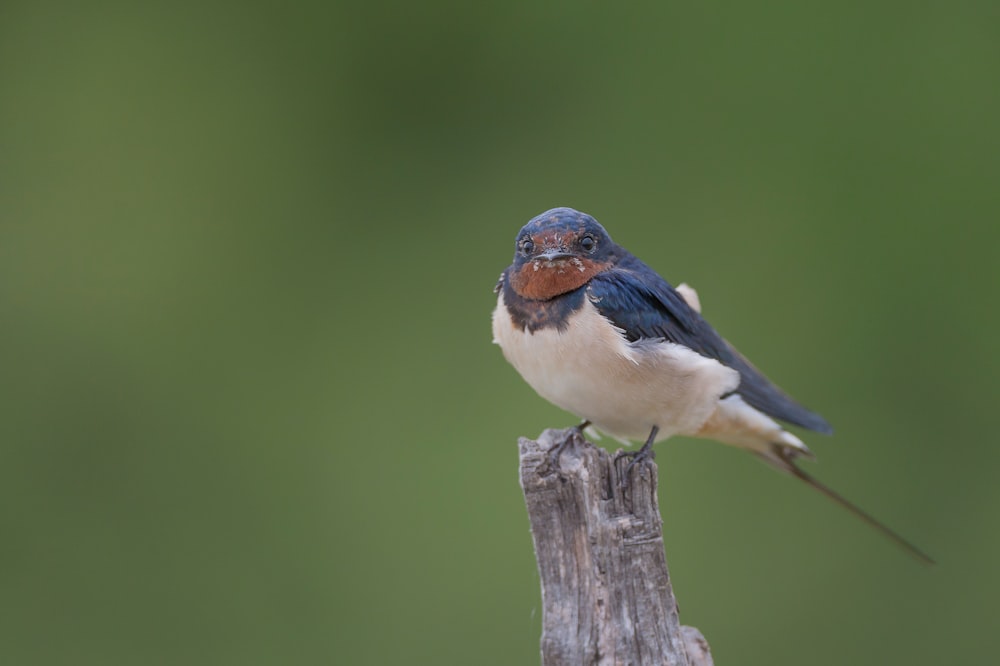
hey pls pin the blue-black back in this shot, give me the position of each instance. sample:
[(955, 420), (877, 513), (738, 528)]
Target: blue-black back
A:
[(644, 305)]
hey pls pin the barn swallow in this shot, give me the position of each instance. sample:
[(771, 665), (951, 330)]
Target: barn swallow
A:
[(600, 334)]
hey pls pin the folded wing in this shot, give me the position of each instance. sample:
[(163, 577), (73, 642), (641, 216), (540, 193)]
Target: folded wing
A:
[(644, 305)]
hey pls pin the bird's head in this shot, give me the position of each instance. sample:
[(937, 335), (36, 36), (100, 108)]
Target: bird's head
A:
[(559, 251)]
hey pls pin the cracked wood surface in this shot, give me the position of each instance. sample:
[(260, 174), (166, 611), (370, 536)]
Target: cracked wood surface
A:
[(606, 593)]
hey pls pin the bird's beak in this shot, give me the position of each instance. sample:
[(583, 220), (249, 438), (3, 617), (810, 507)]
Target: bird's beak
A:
[(554, 254)]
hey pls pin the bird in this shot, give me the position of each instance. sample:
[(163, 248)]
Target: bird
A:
[(600, 334)]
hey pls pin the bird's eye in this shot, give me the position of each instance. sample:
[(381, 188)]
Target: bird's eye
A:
[(588, 243), (527, 246)]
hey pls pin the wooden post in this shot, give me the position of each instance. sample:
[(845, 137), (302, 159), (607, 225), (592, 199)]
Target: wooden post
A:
[(606, 594)]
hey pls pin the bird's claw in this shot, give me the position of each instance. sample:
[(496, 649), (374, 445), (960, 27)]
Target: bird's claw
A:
[(573, 439), (643, 455)]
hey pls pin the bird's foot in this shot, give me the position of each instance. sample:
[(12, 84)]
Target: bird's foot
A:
[(575, 438), (643, 455)]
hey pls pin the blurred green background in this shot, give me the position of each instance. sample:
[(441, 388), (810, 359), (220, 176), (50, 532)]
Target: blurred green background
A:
[(249, 408)]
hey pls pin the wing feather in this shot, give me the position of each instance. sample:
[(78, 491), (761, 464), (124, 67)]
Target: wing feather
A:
[(645, 306)]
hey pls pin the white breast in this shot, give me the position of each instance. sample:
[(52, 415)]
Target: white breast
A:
[(624, 388)]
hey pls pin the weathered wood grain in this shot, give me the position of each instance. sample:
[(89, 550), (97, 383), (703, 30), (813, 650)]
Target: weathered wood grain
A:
[(606, 594)]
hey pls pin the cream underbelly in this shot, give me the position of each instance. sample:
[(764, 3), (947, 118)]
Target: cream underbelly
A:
[(624, 388)]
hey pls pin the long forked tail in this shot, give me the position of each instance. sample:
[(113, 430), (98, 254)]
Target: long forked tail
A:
[(783, 458)]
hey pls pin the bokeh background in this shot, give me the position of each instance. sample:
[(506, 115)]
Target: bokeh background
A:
[(250, 412)]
